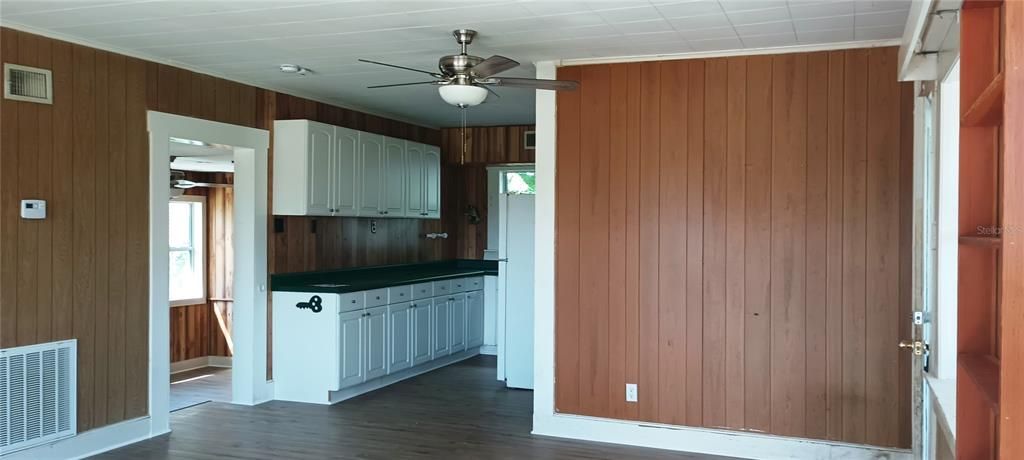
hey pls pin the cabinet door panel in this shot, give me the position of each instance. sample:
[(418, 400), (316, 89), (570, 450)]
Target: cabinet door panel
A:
[(422, 350), (375, 327), (432, 182), (350, 334), (400, 332), (442, 346), (394, 177), (457, 325), (346, 172), (415, 189), (371, 165), (319, 138), (474, 319)]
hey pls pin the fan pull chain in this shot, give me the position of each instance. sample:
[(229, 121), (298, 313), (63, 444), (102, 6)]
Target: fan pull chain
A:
[(462, 157)]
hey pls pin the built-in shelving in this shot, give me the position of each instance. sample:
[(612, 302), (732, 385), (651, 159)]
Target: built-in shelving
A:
[(983, 372), (987, 241), (987, 108)]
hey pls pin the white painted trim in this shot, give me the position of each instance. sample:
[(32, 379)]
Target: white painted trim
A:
[(249, 326), (705, 441), (199, 363), (549, 423), (726, 53), (913, 31), (92, 442), (490, 350), (181, 65)]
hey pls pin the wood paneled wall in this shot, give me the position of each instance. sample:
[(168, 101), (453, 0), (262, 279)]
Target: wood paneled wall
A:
[(733, 235), (83, 272)]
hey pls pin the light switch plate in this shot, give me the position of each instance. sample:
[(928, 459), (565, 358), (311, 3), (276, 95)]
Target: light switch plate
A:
[(33, 209), (630, 392)]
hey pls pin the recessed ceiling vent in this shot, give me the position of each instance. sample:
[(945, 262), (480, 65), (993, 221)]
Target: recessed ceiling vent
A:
[(28, 84)]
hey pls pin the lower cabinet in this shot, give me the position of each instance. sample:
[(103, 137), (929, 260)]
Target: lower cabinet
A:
[(401, 336), (474, 319), (421, 340), (376, 335), (457, 328), (442, 317), (350, 335)]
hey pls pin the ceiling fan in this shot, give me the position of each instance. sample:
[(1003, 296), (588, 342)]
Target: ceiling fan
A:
[(464, 80)]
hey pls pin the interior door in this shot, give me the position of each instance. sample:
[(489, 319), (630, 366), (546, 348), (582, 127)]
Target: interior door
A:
[(319, 138), (350, 334), (394, 177), (371, 170), (376, 342), (346, 172), (414, 179), (432, 182), (517, 223)]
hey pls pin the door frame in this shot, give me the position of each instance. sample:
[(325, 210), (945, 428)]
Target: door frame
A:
[(249, 384)]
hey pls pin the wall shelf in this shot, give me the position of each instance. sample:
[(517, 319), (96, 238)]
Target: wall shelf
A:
[(983, 371), (987, 109), (986, 241)]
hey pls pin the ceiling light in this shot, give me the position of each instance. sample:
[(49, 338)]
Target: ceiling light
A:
[(296, 69), (463, 95)]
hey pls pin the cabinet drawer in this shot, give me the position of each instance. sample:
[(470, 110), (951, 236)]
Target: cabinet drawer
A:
[(460, 285), (376, 297), (399, 294), (442, 288), (352, 301), (475, 283), (422, 291)]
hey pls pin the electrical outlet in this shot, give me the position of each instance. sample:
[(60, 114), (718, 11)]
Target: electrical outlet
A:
[(630, 392)]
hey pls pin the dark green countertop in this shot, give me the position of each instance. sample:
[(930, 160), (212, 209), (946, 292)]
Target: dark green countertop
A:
[(364, 278)]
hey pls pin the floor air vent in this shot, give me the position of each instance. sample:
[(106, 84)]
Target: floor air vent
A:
[(37, 394), (29, 84)]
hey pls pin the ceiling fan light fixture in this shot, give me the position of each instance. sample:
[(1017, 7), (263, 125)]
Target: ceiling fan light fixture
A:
[(463, 95)]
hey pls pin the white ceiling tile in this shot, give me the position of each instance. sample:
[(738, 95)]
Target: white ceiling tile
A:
[(743, 5), (878, 33), (701, 22), (833, 23), (806, 10), (765, 41), (708, 34), (765, 28), (718, 44), (545, 8), (573, 20), (869, 6), (639, 27), (825, 36), (690, 8), (620, 15), (882, 18), (758, 16)]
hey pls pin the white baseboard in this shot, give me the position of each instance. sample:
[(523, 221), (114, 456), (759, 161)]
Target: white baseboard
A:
[(705, 441), (491, 350), (200, 362), (89, 443)]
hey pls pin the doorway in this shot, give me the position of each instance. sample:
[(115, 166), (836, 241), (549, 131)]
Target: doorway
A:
[(236, 305)]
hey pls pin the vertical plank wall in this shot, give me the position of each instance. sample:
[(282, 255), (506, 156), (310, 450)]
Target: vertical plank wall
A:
[(731, 235)]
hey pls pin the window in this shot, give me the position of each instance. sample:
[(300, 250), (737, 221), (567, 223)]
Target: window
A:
[(185, 241), (519, 182)]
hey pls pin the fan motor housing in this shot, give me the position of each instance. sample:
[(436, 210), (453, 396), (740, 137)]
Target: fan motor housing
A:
[(458, 64)]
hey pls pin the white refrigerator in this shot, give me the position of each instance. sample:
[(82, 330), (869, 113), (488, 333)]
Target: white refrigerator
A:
[(515, 290)]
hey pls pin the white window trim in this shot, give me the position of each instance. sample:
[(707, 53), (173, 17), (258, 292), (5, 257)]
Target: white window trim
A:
[(201, 251)]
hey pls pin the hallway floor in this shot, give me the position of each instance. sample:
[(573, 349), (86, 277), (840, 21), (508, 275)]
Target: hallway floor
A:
[(200, 385)]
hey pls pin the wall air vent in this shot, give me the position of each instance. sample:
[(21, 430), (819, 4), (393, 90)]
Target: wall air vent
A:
[(530, 140), (38, 402), (28, 84)]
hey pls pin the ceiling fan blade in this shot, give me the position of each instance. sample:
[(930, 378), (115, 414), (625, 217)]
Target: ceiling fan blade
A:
[(433, 74), (493, 66), (405, 84), (554, 85), (489, 90)]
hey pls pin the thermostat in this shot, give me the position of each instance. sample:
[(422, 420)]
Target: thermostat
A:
[(33, 209)]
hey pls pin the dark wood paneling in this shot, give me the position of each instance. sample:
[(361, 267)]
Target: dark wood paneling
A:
[(770, 248)]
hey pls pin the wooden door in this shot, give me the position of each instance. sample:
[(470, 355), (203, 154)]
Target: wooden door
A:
[(320, 138), (414, 179), (400, 334), (350, 353), (421, 340), (346, 172), (371, 171), (393, 192)]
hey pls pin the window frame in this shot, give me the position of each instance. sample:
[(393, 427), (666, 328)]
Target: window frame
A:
[(503, 178), (198, 253)]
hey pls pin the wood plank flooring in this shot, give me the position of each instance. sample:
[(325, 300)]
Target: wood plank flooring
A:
[(200, 385), (456, 412)]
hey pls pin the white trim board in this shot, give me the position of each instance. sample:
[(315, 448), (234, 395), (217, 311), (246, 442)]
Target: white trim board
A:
[(178, 367), (92, 442), (549, 423), (726, 53)]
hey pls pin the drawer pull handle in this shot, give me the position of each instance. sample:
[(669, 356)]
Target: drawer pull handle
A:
[(353, 300)]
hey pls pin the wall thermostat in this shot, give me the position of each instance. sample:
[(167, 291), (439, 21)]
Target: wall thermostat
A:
[(33, 209)]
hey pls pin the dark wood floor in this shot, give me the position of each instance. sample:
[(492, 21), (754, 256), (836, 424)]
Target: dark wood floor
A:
[(200, 385), (457, 412)]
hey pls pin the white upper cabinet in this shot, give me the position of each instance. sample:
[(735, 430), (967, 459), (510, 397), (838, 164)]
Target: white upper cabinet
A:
[(325, 170), (371, 161)]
